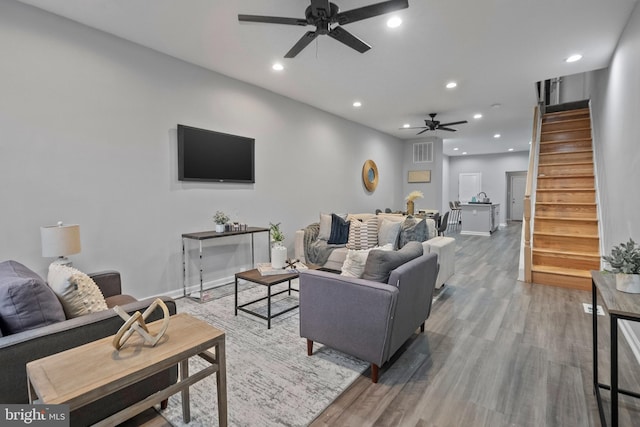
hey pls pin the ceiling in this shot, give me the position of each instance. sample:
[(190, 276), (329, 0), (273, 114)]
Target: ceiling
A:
[(494, 49)]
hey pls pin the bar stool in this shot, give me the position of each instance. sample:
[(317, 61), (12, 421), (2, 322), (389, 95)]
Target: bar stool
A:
[(455, 215)]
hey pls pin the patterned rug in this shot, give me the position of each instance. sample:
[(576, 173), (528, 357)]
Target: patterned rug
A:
[(270, 379)]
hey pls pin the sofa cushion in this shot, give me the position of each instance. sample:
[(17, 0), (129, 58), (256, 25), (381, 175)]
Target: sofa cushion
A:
[(363, 234), (389, 232), (380, 263), (77, 292), (339, 231), (413, 230), (26, 302)]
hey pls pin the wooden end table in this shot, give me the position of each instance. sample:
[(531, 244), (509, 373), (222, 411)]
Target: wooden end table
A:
[(84, 374), (254, 276)]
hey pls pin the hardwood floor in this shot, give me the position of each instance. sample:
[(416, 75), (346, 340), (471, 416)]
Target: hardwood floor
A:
[(496, 352)]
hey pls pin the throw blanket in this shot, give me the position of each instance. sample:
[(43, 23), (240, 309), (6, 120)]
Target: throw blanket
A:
[(316, 251)]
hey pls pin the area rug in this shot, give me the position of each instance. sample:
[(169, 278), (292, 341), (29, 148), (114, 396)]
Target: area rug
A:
[(270, 379)]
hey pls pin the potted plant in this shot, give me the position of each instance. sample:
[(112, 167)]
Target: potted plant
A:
[(278, 250), (625, 263), (220, 218), (411, 199)]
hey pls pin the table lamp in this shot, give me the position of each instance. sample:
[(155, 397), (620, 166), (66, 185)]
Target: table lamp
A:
[(59, 241)]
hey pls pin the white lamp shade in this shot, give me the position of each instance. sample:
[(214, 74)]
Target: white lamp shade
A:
[(60, 240)]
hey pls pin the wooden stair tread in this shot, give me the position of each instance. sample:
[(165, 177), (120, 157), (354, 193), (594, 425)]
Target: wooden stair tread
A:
[(565, 152), (579, 236), (568, 164), (551, 132), (584, 110), (560, 218), (566, 203), (567, 253), (581, 175), (561, 271), (573, 113), (565, 190), (564, 141)]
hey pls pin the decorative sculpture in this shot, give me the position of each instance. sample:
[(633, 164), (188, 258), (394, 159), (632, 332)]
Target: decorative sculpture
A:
[(136, 323)]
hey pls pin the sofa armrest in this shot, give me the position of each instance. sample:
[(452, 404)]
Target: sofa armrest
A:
[(445, 248), (299, 246), (108, 281), (348, 314)]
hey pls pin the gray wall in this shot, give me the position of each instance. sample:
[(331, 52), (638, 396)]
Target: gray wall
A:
[(494, 168), (432, 190), (89, 137)]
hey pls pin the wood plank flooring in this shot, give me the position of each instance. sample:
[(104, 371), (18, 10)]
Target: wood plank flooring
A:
[(496, 352)]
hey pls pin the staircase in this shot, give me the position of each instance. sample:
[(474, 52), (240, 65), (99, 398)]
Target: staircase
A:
[(566, 244)]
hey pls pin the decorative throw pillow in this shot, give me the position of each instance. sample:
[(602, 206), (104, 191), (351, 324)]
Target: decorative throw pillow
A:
[(380, 263), (363, 235), (77, 292), (325, 227), (353, 265), (339, 230), (413, 230), (389, 232), (26, 302)]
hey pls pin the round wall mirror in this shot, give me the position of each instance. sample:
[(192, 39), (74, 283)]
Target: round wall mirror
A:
[(370, 175)]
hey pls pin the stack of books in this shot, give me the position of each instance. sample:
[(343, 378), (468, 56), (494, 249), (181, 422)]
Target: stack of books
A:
[(266, 269)]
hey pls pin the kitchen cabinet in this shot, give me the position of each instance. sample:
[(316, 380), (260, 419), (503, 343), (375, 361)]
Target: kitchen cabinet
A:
[(480, 219)]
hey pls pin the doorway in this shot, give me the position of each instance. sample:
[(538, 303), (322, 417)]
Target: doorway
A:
[(516, 186)]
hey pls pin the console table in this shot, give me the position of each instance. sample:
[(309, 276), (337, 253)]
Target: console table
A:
[(206, 235), (619, 305)]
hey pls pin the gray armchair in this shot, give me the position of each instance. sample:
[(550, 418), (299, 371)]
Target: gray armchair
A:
[(366, 319)]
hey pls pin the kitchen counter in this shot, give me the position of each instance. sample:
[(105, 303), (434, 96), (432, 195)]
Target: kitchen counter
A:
[(480, 219)]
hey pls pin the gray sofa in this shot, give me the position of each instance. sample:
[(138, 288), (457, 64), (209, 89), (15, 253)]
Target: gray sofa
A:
[(365, 318), (19, 348)]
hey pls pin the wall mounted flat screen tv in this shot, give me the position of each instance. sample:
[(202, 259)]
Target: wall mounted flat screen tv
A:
[(205, 155)]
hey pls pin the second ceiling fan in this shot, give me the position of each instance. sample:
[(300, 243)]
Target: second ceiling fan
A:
[(434, 124), (327, 19)]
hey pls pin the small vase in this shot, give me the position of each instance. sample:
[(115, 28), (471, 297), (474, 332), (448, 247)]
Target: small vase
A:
[(410, 207), (278, 255), (219, 228), (629, 283)]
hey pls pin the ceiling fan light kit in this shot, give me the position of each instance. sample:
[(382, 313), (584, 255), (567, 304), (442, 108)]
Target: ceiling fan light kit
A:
[(328, 20)]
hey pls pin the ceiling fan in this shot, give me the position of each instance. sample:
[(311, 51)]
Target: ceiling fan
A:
[(327, 18), (434, 124)]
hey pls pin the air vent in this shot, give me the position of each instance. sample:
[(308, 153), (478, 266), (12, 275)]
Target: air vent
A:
[(423, 152)]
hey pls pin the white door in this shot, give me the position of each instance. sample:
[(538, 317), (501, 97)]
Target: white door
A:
[(469, 185), (518, 184)]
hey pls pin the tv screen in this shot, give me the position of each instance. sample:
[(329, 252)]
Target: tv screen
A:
[(205, 155)]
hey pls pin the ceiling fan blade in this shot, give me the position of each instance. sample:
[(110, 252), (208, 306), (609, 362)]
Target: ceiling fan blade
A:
[(453, 123), (272, 20), (447, 129), (422, 131), (349, 39), (307, 38), (418, 127), (321, 8), (370, 11)]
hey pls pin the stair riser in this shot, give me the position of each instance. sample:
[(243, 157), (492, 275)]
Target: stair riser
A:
[(566, 196), (565, 115), (581, 228), (549, 159), (552, 170), (566, 243), (566, 262), (580, 283), (565, 146), (564, 136), (582, 182), (567, 124), (567, 211)]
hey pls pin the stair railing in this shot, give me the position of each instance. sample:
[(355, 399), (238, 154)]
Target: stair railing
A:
[(529, 191)]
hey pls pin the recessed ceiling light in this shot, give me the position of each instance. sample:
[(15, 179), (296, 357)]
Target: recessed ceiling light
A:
[(497, 135), (394, 22), (574, 58), (477, 116), (510, 149), (464, 152), (406, 125), (451, 85), (277, 66), (456, 149), (357, 104)]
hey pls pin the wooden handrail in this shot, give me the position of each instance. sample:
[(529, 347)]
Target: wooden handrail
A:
[(531, 175)]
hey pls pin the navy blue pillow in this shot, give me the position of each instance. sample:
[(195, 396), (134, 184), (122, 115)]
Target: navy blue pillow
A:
[(339, 231)]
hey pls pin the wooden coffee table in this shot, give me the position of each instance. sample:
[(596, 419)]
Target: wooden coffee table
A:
[(254, 276), (84, 374)]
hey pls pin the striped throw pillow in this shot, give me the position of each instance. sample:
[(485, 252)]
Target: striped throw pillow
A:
[(363, 234)]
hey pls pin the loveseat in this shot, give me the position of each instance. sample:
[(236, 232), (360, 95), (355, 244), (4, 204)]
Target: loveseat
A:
[(17, 349), (442, 246), (369, 317)]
